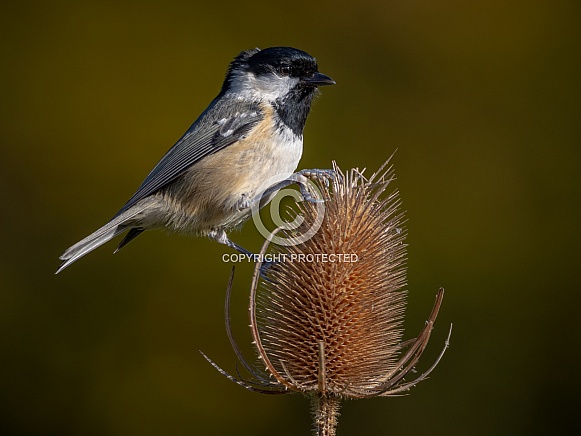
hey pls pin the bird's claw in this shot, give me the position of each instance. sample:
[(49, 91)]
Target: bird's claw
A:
[(323, 176), (317, 174)]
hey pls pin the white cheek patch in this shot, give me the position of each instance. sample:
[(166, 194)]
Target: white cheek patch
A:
[(266, 87), (274, 86)]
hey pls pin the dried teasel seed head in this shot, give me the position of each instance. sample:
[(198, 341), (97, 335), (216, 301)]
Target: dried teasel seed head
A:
[(330, 313), (327, 317)]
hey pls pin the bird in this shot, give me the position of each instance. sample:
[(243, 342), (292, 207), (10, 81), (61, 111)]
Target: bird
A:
[(243, 148)]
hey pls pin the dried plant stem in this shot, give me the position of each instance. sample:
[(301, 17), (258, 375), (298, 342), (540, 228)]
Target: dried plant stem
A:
[(325, 410)]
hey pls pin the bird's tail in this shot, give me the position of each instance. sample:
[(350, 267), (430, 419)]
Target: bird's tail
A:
[(116, 226)]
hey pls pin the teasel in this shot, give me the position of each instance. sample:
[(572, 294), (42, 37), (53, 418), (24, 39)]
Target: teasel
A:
[(333, 330)]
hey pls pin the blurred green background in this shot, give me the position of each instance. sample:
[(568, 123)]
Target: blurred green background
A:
[(482, 101)]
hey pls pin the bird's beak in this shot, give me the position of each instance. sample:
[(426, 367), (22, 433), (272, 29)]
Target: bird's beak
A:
[(319, 79)]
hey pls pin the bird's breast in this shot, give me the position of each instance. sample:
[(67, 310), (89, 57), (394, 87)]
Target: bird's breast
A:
[(264, 157), (209, 194)]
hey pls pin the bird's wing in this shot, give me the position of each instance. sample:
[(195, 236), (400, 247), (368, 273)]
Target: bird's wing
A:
[(222, 124)]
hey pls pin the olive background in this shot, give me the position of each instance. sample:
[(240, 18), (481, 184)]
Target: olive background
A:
[(480, 99)]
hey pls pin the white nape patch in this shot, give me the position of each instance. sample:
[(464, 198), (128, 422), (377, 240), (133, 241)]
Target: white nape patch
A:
[(268, 87)]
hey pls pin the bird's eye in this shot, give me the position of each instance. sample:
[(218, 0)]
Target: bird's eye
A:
[(285, 70)]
